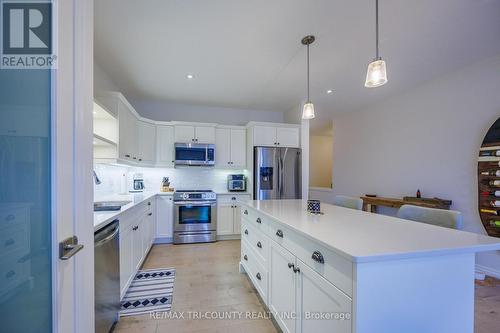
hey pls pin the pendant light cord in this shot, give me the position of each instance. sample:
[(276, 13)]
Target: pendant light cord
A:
[(308, 100), (376, 28)]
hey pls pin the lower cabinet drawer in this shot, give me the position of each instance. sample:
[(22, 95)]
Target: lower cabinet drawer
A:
[(257, 240), (330, 265), (255, 270), (254, 218)]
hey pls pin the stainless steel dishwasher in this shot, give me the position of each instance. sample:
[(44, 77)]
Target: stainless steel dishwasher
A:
[(107, 276)]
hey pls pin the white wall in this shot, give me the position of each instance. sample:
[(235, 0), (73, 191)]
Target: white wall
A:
[(320, 163), (165, 111), (102, 81), (427, 138)]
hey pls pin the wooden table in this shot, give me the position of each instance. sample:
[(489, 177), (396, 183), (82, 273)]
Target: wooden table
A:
[(373, 202)]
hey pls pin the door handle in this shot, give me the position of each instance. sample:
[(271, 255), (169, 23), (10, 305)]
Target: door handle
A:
[(246, 232), (296, 270), (245, 257), (259, 245), (290, 265), (258, 220), (69, 247), (279, 233), (258, 276), (245, 212)]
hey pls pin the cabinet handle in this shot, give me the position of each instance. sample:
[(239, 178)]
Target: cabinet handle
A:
[(140, 160), (150, 214), (318, 257), (279, 233), (290, 265), (149, 203), (246, 232), (127, 155), (296, 270), (259, 245), (258, 276), (10, 218), (233, 198), (258, 220), (245, 257), (134, 158), (245, 212)]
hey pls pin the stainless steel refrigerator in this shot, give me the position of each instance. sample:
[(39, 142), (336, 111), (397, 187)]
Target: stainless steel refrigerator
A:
[(277, 173)]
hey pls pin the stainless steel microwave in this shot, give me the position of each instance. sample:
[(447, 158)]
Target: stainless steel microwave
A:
[(195, 154)]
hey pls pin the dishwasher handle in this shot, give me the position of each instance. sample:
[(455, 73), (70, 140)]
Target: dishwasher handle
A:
[(107, 233)]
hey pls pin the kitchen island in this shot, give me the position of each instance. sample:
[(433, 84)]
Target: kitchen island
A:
[(354, 271)]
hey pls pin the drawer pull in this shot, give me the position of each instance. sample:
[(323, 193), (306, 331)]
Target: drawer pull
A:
[(10, 218), (318, 257), (149, 203), (258, 276), (9, 242), (279, 233), (259, 245), (150, 214), (258, 220), (245, 257), (296, 270), (12, 273), (246, 232), (245, 212), (290, 265)]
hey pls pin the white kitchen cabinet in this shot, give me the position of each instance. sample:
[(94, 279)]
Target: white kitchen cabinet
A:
[(315, 295), (276, 136), (147, 143), (282, 286), (164, 218), (127, 133), (164, 145), (126, 269), (229, 213), (197, 134), (230, 147)]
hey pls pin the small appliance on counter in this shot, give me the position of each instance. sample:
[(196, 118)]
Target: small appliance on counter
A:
[(137, 183), (236, 183), (165, 185)]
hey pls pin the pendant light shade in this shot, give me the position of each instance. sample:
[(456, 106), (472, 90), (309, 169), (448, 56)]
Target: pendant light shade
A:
[(376, 75), (308, 109)]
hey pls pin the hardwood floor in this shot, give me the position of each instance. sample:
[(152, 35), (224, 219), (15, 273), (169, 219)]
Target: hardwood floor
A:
[(207, 280)]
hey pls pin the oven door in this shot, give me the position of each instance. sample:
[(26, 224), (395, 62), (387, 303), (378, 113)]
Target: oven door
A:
[(195, 216), (194, 154)]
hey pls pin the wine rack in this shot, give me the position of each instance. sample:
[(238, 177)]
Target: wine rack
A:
[(489, 181)]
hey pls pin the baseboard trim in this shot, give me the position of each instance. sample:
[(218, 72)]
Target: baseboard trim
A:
[(163, 240), (488, 271), (228, 237)]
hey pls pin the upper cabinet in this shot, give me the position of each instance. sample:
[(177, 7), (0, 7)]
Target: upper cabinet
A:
[(127, 133), (196, 134), (165, 145), (276, 136), (147, 143), (230, 147)]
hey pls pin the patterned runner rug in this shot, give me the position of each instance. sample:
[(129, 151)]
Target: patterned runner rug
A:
[(150, 291)]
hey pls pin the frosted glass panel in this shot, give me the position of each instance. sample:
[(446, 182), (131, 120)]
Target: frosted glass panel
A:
[(25, 250)]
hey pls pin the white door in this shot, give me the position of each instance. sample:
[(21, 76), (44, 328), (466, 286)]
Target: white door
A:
[(315, 295), (165, 217), (126, 133), (222, 147), (164, 145), (238, 147), (264, 136), (184, 134), (225, 219), (205, 134), (147, 143), (282, 285), (288, 137)]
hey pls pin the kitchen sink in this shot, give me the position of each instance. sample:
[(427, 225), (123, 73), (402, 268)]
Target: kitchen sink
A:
[(100, 206)]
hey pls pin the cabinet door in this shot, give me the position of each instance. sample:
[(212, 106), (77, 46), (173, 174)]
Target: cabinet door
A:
[(147, 143), (315, 295), (288, 137), (126, 268), (145, 232), (282, 285), (223, 147), (264, 136), (184, 134), (225, 219), (164, 217), (237, 219), (164, 145), (137, 247), (126, 133), (205, 134), (238, 148)]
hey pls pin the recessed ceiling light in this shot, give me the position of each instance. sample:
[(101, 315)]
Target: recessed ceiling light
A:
[(329, 91), (189, 76)]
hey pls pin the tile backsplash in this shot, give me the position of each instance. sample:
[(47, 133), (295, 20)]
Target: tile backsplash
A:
[(115, 178)]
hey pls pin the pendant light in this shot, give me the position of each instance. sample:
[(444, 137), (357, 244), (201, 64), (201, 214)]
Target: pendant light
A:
[(308, 109), (376, 74)]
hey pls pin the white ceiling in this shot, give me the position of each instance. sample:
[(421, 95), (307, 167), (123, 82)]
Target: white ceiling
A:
[(247, 54)]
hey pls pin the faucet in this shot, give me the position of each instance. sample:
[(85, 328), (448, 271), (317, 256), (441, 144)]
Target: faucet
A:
[(97, 181)]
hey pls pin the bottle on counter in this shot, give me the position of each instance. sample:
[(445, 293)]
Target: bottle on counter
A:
[(495, 183), (490, 153), (491, 173), (490, 193), (419, 195), (495, 223), (489, 211)]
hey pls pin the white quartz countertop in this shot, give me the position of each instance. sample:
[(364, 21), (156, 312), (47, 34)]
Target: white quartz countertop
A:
[(366, 237), (101, 219)]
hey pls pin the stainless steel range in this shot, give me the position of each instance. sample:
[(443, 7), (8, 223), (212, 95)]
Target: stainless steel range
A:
[(195, 216)]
